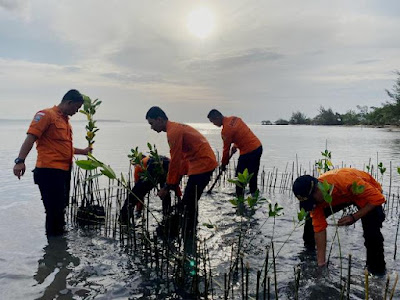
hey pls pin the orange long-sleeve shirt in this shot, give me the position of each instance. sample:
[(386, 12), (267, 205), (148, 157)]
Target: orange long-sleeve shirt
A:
[(235, 131), (189, 151), (54, 143), (342, 192)]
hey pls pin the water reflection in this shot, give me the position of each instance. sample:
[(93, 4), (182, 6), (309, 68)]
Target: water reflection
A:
[(54, 268)]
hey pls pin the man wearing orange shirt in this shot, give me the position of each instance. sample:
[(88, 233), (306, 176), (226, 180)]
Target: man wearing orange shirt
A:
[(191, 151), (236, 132), (368, 201), (52, 132), (143, 186)]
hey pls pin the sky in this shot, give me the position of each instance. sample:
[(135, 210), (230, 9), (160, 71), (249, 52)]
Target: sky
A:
[(260, 60)]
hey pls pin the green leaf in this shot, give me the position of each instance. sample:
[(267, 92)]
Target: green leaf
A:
[(87, 164), (301, 215), (208, 225), (357, 189), (328, 199), (108, 172), (233, 202)]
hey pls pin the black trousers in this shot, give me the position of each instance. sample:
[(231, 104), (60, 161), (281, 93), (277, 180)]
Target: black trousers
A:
[(54, 186), (373, 239), (194, 188), (251, 161)]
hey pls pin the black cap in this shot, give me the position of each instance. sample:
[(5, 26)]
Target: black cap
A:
[(303, 188)]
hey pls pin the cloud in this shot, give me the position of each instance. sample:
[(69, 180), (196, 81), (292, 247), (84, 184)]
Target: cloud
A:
[(234, 60), (20, 7), (14, 5)]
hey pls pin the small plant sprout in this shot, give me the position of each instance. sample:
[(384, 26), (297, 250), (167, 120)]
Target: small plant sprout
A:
[(357, 189), (89, 109), (252, 200), (324, 164), (382, 170), (275, 210)]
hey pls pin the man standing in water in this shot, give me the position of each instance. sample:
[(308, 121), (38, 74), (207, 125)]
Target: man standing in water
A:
[(52, 132), (236, 132), (189, 151), (350, 187)]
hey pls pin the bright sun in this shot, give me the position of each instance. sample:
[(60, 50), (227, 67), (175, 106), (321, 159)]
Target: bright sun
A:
[(200, 22)]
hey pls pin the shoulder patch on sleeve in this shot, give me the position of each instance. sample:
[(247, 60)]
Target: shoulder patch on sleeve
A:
[(38, 116)]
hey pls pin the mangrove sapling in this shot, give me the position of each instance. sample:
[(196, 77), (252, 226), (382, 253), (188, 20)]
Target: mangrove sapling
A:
[(301, 217), (88, 212), (324, 164), (327, 190), (382, 171)]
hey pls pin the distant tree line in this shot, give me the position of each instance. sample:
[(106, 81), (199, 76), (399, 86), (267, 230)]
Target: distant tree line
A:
[(387, 114)]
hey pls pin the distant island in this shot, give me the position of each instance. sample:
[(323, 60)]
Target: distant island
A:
[(387, 114)]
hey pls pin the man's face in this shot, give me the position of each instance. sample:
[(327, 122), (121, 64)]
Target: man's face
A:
[(156, 124), (216, 121), (73, 107)]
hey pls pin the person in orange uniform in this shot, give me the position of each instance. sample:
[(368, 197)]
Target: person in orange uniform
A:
[(236, 132), (52, 132), (144, 186), (369, 203), (189, 151)]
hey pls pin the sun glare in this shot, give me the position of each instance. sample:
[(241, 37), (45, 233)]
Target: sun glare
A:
[(200, 22)]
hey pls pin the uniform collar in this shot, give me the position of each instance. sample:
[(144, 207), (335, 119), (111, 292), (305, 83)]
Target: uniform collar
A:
[(59, 112)]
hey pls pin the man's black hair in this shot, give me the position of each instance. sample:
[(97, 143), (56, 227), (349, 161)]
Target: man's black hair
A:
[(156, 112), (72, 95), (214, 114)]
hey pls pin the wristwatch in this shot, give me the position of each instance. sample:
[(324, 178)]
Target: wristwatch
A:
[(19, 160)]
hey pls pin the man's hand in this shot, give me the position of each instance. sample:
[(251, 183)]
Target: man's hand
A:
[(347, 220), (163, 192), (85, 151), (19, 170)]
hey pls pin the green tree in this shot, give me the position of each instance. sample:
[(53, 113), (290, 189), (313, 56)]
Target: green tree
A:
[(394, 95), (327, 117), (351, 118), (298, 118)]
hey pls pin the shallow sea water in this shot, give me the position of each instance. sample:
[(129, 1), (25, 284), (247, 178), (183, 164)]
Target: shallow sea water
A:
[(87, 265)]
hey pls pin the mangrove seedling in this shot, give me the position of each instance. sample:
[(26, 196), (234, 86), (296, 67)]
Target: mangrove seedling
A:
[(252, 200), (89, 109), (324, 164)]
